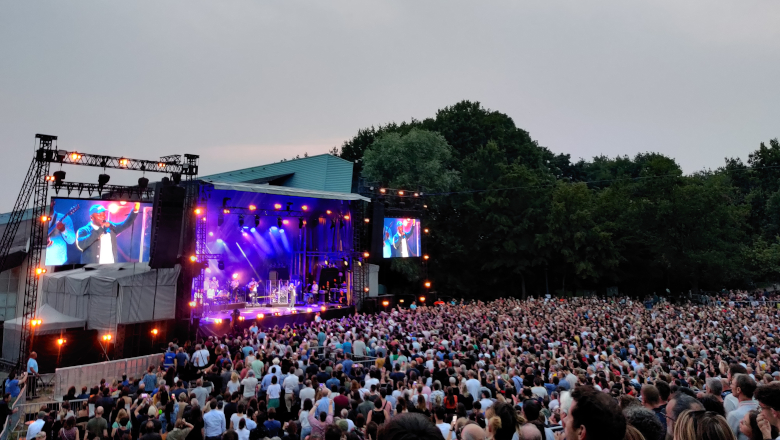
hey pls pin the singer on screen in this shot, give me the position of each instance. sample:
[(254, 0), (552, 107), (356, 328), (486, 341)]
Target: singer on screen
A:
[(97, 240)]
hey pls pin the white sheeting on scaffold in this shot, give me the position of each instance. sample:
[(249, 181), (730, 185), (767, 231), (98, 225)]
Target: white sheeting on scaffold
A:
[(111, 294)]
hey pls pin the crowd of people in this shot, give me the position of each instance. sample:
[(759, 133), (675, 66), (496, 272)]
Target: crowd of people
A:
[(586, 368)]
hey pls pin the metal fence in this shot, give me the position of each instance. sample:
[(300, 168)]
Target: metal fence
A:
[(13, 420), (89, 375)]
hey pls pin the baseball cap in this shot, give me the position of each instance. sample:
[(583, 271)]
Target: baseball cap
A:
[(96, 209)]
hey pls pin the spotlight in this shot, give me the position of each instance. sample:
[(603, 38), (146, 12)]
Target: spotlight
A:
[(226, 211), (193, 303), (401, 301), (61, 341), (425, 257), (346, 263), (304, 208), (40, 271), (417, 194), (426, 230), (143, 182), (286, 222), (103, 179), (235, 276), (301, 223), (385, 303), (218, 321), (400, 193), (367, 220), (35, 322), (257, 221), (221, 265), (346, 217), (240, 318), (427, 284), (45, 218), (422, 299), (59, 176), (328, 212), (252, 207), (323, 308), (193, 258), (253, 230), (365, 289), (160, 164), (122, 162), (382, 190), (366, 254), (75, 156), (279, 223), (260, 316), (198, 211), (308, 310), (241, 220), (154, 331), (106, 338), (278, 206)]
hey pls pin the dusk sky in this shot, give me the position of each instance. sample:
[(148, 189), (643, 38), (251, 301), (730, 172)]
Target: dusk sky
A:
[(244, 83)]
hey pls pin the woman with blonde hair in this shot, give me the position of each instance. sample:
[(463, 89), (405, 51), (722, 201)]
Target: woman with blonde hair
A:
[(702, 425), (234, 384)]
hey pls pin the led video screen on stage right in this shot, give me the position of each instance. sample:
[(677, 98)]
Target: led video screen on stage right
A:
[(401, 238)]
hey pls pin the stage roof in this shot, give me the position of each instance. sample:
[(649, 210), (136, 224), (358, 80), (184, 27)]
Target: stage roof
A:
[(323, 172), (284, 191)]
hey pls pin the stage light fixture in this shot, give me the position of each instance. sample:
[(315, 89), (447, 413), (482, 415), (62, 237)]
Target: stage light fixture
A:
[(155, 331), (427, 284), (301, 223), (75, 156), (400, 193), (176, 178), (346, 217), (35, 323), (257, 221), (221, 265), (426, 230), (198, 211), (193, 303), (417, 194), (425, 257), (160, 164), (240, 318), (323, 308), (277, 314), (346, 263), (61, 341), (40, 271), (241, 220), (193, 258), (58, 176), (365, 289), (366, 254), (48, 179), (332, 223), (103, 179), (279, 223), (385, 303), (328, 212), (252, 207), (260, 316), (422, 299), (382, 190), (425, 206), (367, 220), (401, 301), (304, 208), (289, 206), (308, 310), (235, 276), (286, 222), (218, 321), (277, 206), (122, 162), (45, 218), (106, 338), (143, 182)]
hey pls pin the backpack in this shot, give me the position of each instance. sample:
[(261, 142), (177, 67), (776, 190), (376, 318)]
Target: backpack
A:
[(259, 433)]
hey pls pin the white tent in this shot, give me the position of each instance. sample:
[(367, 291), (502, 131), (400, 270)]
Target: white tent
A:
[(111, 294), (52, 321)]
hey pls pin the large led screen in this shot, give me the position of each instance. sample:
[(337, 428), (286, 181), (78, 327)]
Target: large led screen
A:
[(88, 231), (401, 238)]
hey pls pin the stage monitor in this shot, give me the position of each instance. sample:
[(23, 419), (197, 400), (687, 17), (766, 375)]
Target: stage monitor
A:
[(88, 231), (401, 238)]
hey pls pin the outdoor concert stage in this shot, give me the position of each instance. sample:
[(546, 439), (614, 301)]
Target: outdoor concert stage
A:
[(217, 323)]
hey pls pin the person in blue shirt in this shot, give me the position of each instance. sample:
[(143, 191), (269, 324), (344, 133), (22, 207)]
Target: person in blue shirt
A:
[(413, 306), (273, 426), (346, 347), (150, 380), (13, 385), (332, 382), (322, 404), (347, 363), (32, 372), (169, 357)]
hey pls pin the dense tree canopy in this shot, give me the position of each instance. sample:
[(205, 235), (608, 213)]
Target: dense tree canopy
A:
[(509, 217)]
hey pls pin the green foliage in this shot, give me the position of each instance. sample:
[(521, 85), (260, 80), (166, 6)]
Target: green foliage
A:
[(509, 217)]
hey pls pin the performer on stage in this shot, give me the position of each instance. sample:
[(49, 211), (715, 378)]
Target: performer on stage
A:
[(291, 295), (234, 286), (97, 240), (61, 234), (251, 288), (311, 296), (400, 239), (213, 287)]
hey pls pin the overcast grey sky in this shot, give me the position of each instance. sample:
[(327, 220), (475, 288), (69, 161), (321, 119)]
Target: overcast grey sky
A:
[(249, 82)]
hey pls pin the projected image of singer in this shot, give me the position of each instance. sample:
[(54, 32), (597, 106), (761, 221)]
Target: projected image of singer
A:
[(405, 229), (97, 240)]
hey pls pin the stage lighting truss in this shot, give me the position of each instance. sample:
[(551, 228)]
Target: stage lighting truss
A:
[(259, 211), (167, 164), (116, 192)]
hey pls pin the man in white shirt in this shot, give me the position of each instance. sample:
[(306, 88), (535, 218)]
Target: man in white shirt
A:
[(200, 393), (486, 401), (200, 358), (443, 426), (307, 393), (36, 426), (290, 386), (97, 240), (473, 385), (742, 387)]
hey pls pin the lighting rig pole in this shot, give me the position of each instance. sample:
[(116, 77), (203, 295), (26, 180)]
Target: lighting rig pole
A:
[(36, 185)]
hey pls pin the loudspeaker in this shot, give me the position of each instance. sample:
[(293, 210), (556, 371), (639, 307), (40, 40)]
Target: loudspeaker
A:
[(377, 227), (167, 216)]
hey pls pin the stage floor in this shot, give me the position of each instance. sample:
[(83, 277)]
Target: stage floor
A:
[(250, 313)]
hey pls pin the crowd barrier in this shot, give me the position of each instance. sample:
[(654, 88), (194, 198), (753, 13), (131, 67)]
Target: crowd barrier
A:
[(13, 420), (90, 375)]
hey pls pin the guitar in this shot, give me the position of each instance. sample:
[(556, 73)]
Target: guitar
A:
[(67, 214)]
